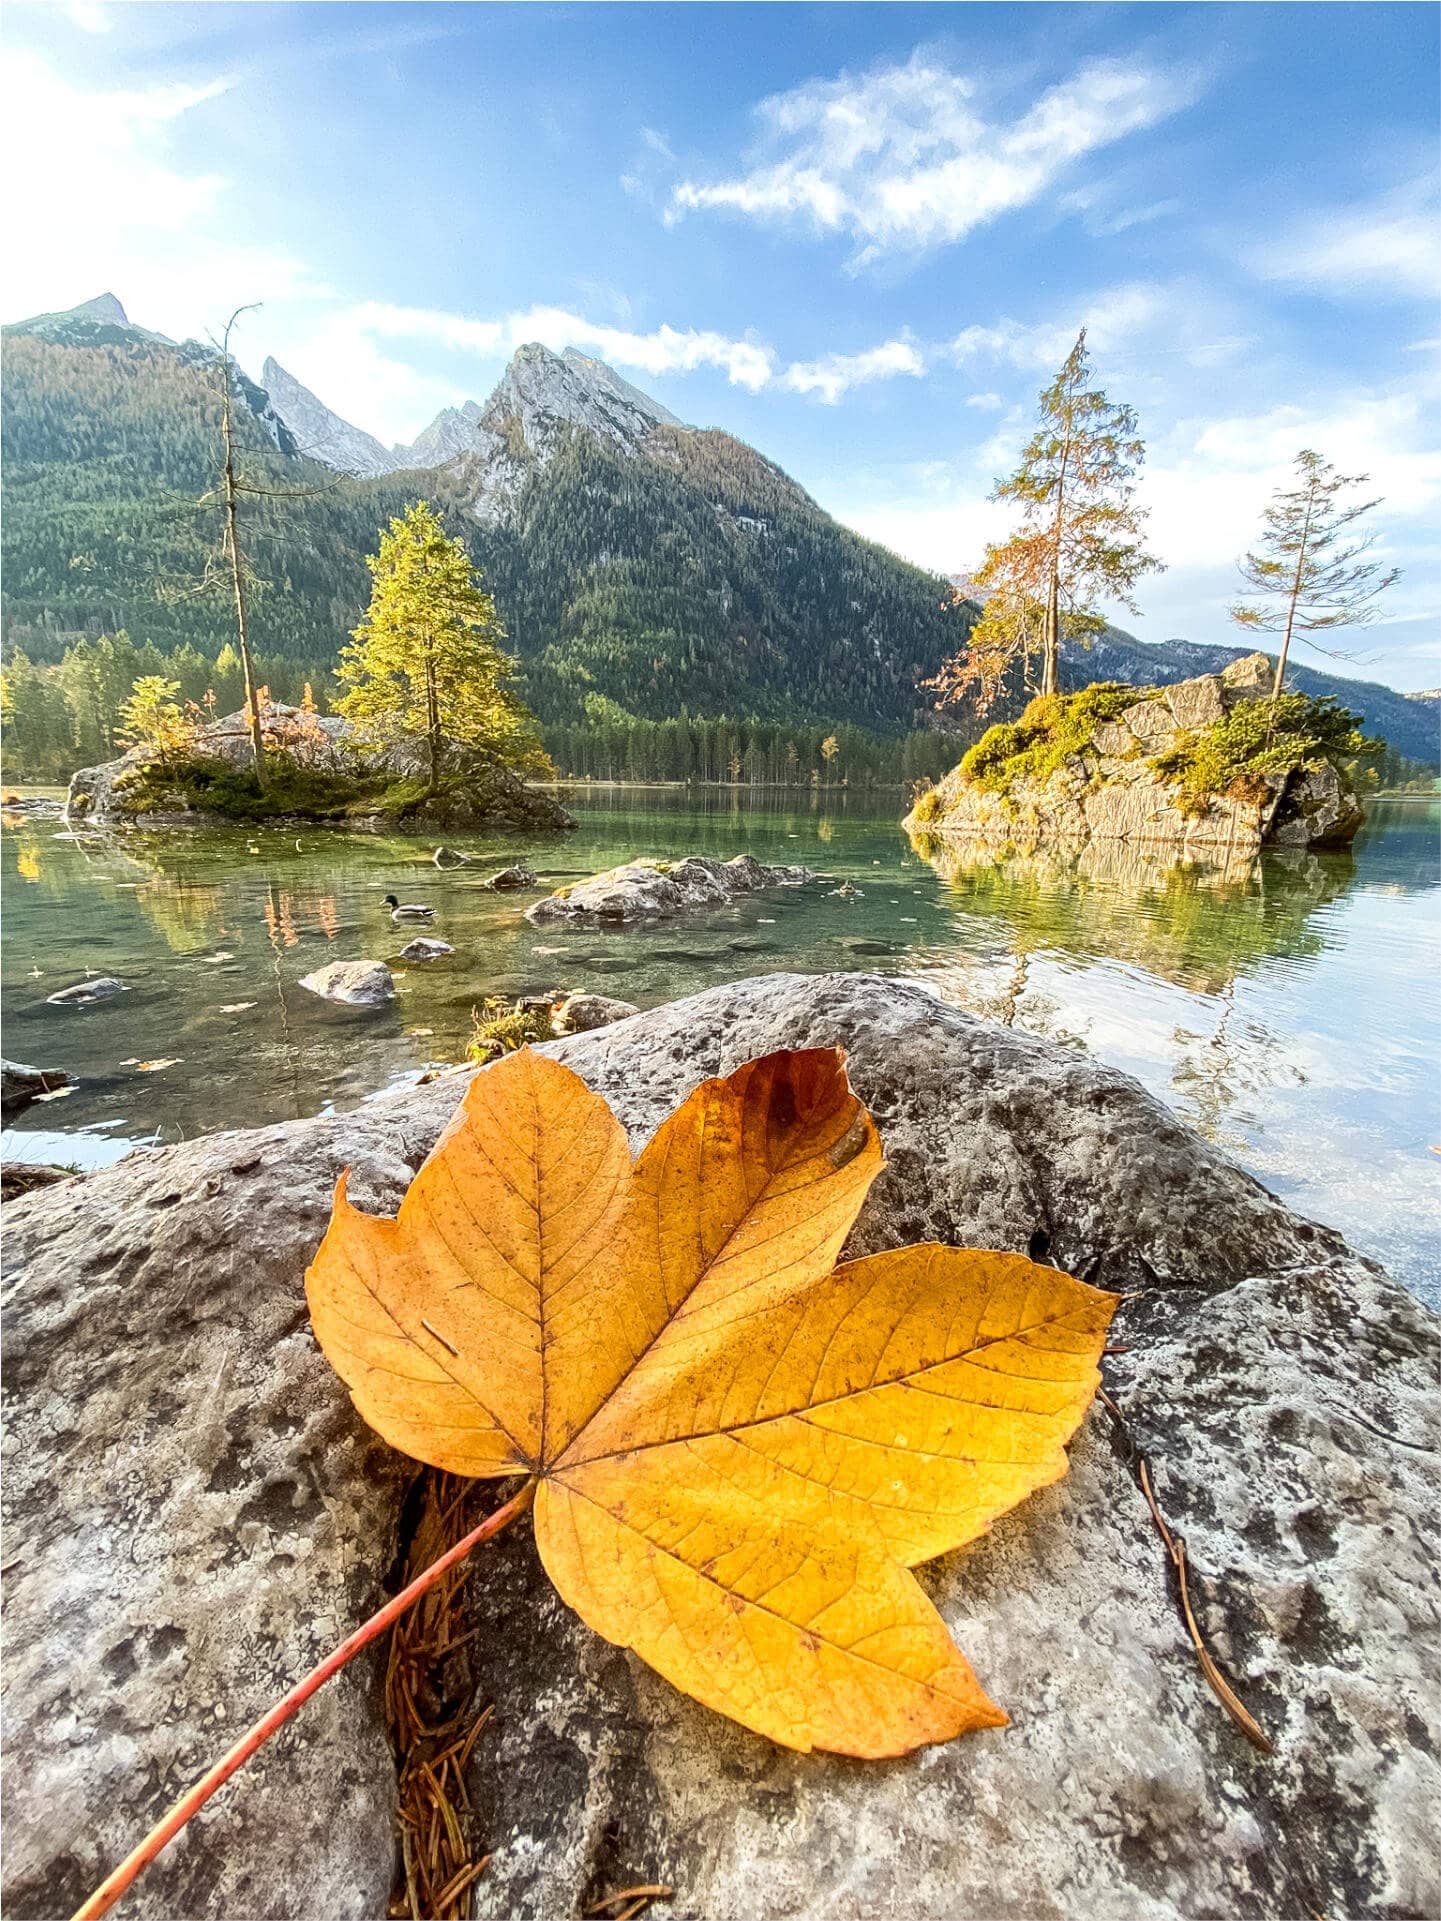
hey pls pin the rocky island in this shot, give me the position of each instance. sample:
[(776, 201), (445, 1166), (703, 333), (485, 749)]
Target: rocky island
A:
[(317, 770), (1208, 766)]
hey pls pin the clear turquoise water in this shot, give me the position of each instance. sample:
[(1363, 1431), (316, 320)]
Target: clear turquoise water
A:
[(1291, 1011)]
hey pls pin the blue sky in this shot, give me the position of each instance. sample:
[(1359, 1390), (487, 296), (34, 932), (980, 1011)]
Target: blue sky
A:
[(860, 237)]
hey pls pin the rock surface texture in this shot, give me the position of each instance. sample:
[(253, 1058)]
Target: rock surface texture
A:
[(654, 890), (355, 983), (197, 1514), (1111, 792)]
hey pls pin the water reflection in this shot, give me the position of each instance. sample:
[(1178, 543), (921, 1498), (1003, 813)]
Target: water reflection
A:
[(1197, 924)]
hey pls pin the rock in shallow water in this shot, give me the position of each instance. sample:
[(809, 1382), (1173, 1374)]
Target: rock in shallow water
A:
[(19, 1084), (352, 983), (580, 1013), (654, 890), (422, 949), (182, 1463), (84, 993)]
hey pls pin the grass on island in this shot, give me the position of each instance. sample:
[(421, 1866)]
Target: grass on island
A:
[(1052, 728), (291, 791), (1261, 737)]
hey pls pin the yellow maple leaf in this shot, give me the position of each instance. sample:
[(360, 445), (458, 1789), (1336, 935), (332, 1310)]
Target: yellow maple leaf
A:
[(740, 1449)]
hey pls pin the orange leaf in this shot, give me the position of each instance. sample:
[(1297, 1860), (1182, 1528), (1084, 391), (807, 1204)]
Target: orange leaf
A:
[(741, 1448)]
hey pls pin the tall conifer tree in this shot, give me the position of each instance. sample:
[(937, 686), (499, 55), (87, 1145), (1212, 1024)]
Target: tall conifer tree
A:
[(1306, 575), (427, 665)]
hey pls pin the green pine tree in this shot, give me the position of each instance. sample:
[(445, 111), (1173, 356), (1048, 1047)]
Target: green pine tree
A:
[(427, 666)]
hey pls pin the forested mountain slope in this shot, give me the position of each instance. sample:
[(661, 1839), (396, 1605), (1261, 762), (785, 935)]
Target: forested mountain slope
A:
[(635, 561)]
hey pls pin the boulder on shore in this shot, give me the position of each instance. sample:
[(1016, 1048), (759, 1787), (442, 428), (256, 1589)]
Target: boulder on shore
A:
[(19, 1084), (656, 889), (352, 983), (581, 1013), (197, 1514)]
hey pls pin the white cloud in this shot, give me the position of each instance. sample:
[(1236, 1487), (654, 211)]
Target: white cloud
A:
[(110, 208), (745, 362), (836, 374), (1137, 321), (902, 158), (1388, 249), (985, 403)]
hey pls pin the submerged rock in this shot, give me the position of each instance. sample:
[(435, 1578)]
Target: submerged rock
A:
[(198, 1514), (422, 949), (104, 987), (580, 1013), (19, 1084), (655, 889), (521, 874), (353, 983)]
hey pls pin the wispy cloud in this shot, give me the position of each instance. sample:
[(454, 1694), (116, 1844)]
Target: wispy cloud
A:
[(835, 374), (1386, 249), (1137, 321), (904, 159), (744, 360)]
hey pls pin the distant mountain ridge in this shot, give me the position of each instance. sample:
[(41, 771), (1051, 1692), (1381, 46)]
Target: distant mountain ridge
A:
[(643, 568), (639, 563)]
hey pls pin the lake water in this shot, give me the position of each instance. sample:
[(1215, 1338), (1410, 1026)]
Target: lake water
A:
[(1290, 1009)]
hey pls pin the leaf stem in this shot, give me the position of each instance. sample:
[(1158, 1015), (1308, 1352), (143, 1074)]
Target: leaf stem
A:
[(159, 1837)]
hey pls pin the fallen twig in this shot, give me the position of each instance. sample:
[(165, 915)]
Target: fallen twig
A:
[(1175, 1546), (631, 1899)]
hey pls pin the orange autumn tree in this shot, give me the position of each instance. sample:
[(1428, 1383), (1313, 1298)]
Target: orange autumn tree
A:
[(1080, 541)]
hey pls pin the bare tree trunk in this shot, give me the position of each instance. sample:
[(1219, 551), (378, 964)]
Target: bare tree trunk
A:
[(1051, 639), (237, 569), (1051, 636), (1280, 679), (432, 723)]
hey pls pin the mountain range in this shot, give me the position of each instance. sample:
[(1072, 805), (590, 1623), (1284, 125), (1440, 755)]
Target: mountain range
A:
[(641, 566)]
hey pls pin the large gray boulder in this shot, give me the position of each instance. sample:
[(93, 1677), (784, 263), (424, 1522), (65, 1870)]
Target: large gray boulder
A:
[(642, 890), (181, 1459)]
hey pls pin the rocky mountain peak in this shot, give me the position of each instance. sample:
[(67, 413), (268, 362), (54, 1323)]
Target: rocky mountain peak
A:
[(318, 432), (542, 389), (105, 308)]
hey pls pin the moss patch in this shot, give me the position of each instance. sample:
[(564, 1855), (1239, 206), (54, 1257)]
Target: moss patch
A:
[(1259, 737), (1053, 727), (502, 1027), (232, 793)]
